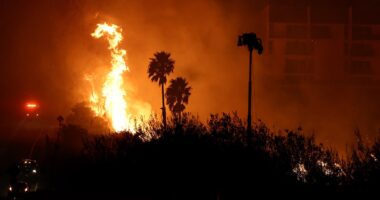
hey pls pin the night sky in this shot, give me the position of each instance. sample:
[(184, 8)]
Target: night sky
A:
[(46, 50)]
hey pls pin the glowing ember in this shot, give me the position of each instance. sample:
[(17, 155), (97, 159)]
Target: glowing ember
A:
[(300, 172), (325, 168), (120, 110), (115, 105)]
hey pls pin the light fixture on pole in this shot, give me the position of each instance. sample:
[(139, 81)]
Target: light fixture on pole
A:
[(252, 42)]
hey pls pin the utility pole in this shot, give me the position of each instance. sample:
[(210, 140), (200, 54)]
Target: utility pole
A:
[(252, 42)]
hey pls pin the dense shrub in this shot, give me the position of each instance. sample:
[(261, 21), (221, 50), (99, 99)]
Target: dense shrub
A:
[(214, 160)]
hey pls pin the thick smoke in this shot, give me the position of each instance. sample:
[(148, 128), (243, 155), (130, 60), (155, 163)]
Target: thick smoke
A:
[(46, 50)]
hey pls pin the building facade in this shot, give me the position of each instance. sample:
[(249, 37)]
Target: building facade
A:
[(324, 41)]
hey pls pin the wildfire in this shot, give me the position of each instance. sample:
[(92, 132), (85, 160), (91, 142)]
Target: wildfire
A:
[(113, 101), (94, 100)]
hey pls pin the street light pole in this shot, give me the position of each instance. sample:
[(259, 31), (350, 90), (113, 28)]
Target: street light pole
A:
[(249, 118), (252, 42)]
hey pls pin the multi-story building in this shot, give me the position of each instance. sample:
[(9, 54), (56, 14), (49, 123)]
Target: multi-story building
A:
[(324, 40)]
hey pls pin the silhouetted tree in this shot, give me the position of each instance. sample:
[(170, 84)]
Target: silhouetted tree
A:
[(177, 95), (159, 67)]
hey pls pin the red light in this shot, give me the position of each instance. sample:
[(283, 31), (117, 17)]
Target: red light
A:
[(31, 106)]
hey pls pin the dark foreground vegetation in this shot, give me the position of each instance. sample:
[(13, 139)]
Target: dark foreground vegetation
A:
[(198, 161)]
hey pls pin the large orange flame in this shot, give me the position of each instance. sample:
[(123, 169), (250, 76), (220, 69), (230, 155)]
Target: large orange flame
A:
[(113, 104)]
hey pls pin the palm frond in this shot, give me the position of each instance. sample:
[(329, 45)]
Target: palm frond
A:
[(177, 94), (160, 66)]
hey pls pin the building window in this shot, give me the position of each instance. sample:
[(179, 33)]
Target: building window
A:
[(298, 48), (366, 13), (298, 66), (276, 30), (270, 47), (360, 67), (296, 31), (320, 32), (363, 50), (287, 13), (376, 32), (346, 32), (346, 49), (328, 13), (361, 33)]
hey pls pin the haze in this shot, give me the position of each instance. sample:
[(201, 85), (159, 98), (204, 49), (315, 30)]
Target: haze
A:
[(46, 50)]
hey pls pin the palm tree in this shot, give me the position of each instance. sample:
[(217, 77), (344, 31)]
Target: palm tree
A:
[(159, 67), (177, 95)]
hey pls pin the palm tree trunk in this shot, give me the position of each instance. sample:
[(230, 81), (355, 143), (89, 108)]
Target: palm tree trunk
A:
[(163, 106)]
